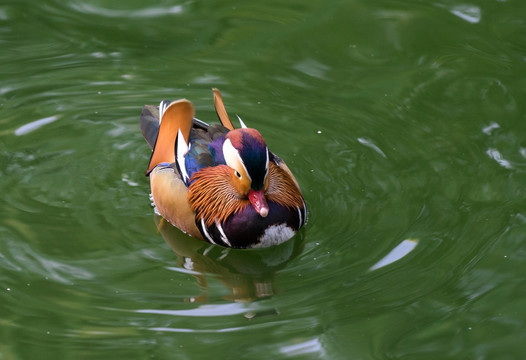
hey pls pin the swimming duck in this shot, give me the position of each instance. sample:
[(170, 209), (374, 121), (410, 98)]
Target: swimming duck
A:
[(218, 183)]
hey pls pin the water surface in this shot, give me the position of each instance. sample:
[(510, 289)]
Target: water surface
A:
[(403, 122)]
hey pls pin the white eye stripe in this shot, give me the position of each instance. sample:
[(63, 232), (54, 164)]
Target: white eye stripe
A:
[(233, 159), (266, 167)]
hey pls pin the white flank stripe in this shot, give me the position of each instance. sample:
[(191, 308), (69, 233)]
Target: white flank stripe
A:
[(207, 235), (223, 235), (300, 217)]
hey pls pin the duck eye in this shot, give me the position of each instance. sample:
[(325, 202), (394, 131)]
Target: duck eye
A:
[(238, 174)]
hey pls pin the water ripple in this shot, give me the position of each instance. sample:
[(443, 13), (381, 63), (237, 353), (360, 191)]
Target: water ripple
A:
[(469, 13), (497, 156), (151, 12), (395, 132)]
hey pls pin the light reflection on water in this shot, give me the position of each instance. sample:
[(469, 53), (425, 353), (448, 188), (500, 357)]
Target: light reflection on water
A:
[(203, 310), (401, 250)]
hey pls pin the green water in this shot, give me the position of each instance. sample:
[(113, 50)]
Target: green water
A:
[(400, 119)]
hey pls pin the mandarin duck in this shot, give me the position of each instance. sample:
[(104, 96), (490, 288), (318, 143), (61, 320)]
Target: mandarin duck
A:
[(217, 183)]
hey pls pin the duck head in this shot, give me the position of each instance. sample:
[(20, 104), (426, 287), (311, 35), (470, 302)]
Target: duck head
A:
[(246, 153)]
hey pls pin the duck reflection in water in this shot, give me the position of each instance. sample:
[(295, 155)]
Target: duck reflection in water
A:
[(248, 274)]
